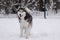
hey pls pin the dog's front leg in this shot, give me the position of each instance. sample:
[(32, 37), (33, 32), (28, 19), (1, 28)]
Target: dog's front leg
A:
[(29, 29), (26, 33), (21, 30), (21, 34)]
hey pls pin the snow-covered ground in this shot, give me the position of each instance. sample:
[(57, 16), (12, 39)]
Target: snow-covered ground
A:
[(43, 29)]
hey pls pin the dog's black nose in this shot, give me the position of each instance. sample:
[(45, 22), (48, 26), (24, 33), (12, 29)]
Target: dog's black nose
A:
[(20, 15)]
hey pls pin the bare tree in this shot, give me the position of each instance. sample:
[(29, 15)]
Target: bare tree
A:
[(14, 5), (27, 4)]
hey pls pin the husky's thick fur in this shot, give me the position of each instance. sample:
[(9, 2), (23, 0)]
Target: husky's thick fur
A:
[(25, 20)]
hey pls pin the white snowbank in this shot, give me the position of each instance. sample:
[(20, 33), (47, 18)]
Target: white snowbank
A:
[(43, 29)]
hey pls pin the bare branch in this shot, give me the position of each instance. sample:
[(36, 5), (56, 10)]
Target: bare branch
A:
[(15, 4), (33, 2), (30, 3), (3, 5), (28, 10)]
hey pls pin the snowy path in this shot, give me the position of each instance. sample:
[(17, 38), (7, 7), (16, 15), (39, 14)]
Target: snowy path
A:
[(43, 29)]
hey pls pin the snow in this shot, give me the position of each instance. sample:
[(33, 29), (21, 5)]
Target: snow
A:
[(43, 29)]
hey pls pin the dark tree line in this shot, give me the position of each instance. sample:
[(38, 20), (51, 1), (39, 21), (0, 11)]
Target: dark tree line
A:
[(32, 4), (13, 4)]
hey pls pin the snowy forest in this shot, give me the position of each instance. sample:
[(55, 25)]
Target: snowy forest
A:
[(11, 6)]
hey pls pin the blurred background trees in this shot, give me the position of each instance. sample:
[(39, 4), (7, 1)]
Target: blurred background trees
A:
[(10, 6)]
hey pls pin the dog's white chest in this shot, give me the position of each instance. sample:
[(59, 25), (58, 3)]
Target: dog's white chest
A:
[(24, 23)]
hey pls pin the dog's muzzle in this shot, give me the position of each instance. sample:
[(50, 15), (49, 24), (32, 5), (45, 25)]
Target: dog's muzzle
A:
[(20, 15)]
